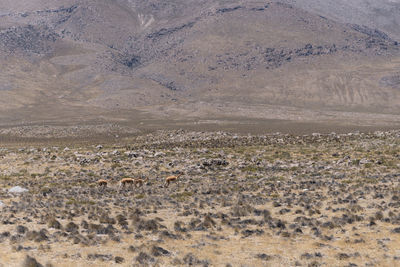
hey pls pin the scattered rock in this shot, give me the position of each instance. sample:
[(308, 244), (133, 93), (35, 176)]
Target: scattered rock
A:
[(53, 223), (31, 262), (396, 230), (119, 259), (71, 227), (264, 257), (144, 258), (17, 189), (21, 229), (102, 257), (159, 251)]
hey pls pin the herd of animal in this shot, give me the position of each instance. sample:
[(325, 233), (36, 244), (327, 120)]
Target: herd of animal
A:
[(137, 182)]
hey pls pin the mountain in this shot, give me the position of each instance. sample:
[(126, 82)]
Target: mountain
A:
[(130, 61), (381, 15)]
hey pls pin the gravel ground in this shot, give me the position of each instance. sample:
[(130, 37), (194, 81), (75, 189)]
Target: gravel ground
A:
[(255, 200)]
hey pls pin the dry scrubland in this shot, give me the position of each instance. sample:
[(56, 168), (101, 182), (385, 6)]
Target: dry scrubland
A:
[(278, 200)]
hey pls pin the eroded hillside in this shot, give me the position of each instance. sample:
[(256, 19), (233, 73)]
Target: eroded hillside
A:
[(77, 60)]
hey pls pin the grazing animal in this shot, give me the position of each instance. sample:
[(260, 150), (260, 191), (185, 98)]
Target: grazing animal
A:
[(172, 178), (102, 183), (126, 181), (139, 182)]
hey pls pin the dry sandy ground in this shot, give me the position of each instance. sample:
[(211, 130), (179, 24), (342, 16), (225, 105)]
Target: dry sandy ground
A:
[(276, 200)]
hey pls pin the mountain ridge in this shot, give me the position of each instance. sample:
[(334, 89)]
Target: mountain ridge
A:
[(84, 57)]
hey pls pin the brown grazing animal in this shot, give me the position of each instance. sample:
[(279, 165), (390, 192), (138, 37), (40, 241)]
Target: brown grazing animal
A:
[(172, 178), (102, 183), (139, 182), (126, 181)]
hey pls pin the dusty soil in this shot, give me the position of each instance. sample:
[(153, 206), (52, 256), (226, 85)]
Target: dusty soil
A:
[(253, 200)]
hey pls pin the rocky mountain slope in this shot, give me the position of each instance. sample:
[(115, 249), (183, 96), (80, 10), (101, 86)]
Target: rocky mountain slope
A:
[(382, 14), (82, 60)]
